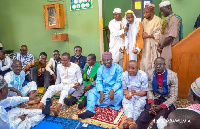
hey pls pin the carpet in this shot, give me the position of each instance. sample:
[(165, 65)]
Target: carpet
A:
[(51, 122), (105, 117)]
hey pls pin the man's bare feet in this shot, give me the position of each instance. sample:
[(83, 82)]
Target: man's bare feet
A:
[(36, 101), (40, 106), (54, 110)]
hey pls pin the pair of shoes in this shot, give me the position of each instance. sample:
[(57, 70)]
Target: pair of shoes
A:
[(86, 115), (83, 103), (71, 101)]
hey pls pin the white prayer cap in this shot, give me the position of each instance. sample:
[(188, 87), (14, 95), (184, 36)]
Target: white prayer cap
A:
[(164, 3), (117, 10), (195, 86), (150, 5)]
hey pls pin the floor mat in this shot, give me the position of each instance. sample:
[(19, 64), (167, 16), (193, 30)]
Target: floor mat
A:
[(51, 122), (105, 117)]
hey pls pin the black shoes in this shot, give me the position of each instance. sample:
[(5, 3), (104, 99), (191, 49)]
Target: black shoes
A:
[(70, 101), (83, 103)]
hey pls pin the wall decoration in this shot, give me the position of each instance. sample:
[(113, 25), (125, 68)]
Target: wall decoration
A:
[(80, 4), (138, 5)]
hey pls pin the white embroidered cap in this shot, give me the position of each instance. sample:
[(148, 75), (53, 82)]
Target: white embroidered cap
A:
[(117, 10), (195, 86), (150, 5), (164, 3)]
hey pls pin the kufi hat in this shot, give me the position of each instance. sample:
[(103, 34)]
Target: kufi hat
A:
[(150, 5), (195, 86), (107, 55), (117, 10), (3, 83), (164, 3)]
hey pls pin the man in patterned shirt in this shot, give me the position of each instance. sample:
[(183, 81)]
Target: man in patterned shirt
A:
[(161, 96), (23, 56), (38, 71)]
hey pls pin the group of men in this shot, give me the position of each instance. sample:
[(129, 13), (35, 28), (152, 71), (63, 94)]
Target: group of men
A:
[(144, 41), (145, 94)]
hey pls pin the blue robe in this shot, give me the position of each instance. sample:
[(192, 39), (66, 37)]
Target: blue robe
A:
[(107, 79)]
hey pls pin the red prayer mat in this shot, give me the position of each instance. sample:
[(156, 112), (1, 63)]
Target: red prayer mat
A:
[(105, 117)]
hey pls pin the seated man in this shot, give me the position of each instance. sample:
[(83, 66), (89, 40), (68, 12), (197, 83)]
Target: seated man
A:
[(108, 90), (23, 56), (89, 77), (78, 58), (15, 80), (5, 63), (194, 95), (162, 94), (135, 87), (69, 78), (19, 118), (51, 66), (38, 71)]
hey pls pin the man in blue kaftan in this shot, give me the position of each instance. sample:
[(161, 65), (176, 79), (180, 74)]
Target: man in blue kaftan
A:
[(108, 91)]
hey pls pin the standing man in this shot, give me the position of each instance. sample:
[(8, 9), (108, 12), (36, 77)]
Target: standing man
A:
[(23, 56), (108, 90), (133, 39), (51, 67), (5, 63), (161, 96), (78, 58), (116, 36), (152, 25), (171, 32)]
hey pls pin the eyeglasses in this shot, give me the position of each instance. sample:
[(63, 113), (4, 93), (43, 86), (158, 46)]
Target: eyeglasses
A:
[(160, 64)]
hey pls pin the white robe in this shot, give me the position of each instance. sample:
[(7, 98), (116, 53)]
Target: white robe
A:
[(66, 77), (133, 107), (10, 120), (116, 42)]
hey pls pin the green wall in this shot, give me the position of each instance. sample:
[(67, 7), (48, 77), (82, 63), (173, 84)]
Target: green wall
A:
[(189, 11), (157, 9), (108, 7), (22, 22)]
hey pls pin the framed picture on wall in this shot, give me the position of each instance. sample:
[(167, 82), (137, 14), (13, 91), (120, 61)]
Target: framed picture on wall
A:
[(80, 4)]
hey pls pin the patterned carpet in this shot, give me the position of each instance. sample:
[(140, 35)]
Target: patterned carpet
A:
[(105, 117), (110, 119)]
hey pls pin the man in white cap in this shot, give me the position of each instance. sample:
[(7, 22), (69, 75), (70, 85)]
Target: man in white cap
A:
[(116, 36), (152, 25), (194, 95), (171, 32)]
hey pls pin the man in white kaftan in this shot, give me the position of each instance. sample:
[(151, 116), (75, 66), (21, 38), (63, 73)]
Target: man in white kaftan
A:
[(69, 77), (116, 36), (15, 80), (19, 118)]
